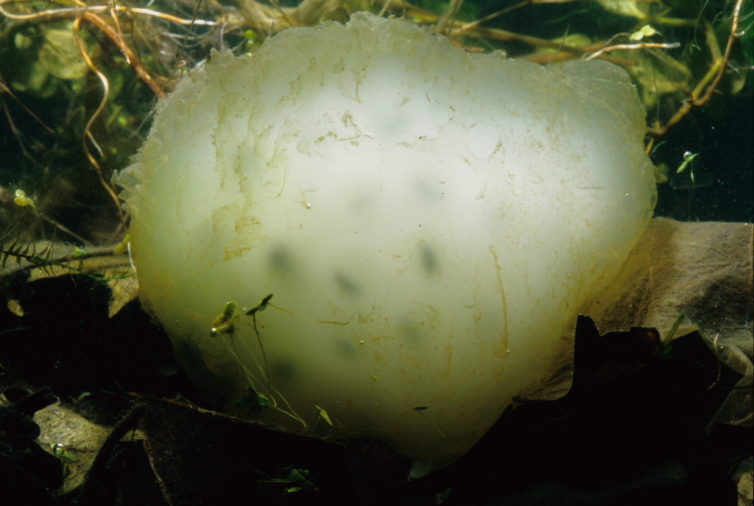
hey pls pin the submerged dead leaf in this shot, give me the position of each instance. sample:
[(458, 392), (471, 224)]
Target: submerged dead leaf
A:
[(124, 289), (71, 438), (702, 271)]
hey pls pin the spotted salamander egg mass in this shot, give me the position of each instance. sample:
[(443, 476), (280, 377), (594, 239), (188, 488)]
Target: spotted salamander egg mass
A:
[(428, 222)]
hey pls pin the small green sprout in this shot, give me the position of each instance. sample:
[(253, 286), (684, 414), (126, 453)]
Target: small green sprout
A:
[(250, 35), (224, 323), (690, 174), (23, 200), (254, 401), (323, 414), (59, 451), (122, 246), (259, 307), (298, 479), (688, 163), (644, 31)]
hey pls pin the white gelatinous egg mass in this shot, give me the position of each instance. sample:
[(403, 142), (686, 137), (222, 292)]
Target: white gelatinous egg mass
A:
[(428, 222)]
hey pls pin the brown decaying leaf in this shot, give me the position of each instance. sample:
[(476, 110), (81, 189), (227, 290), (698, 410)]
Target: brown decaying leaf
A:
[(700, 269), (124, 290), (703, 271)]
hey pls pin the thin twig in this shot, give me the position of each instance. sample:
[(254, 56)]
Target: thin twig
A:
[(130, 56), (71, 12), (95, 115), (490, 17), (703, 92), (35, 259), (638, 45), (449, 16), (4, 88)]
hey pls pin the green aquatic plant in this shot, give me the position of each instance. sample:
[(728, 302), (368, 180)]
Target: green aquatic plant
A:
[(78, 80), (260, 392)]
